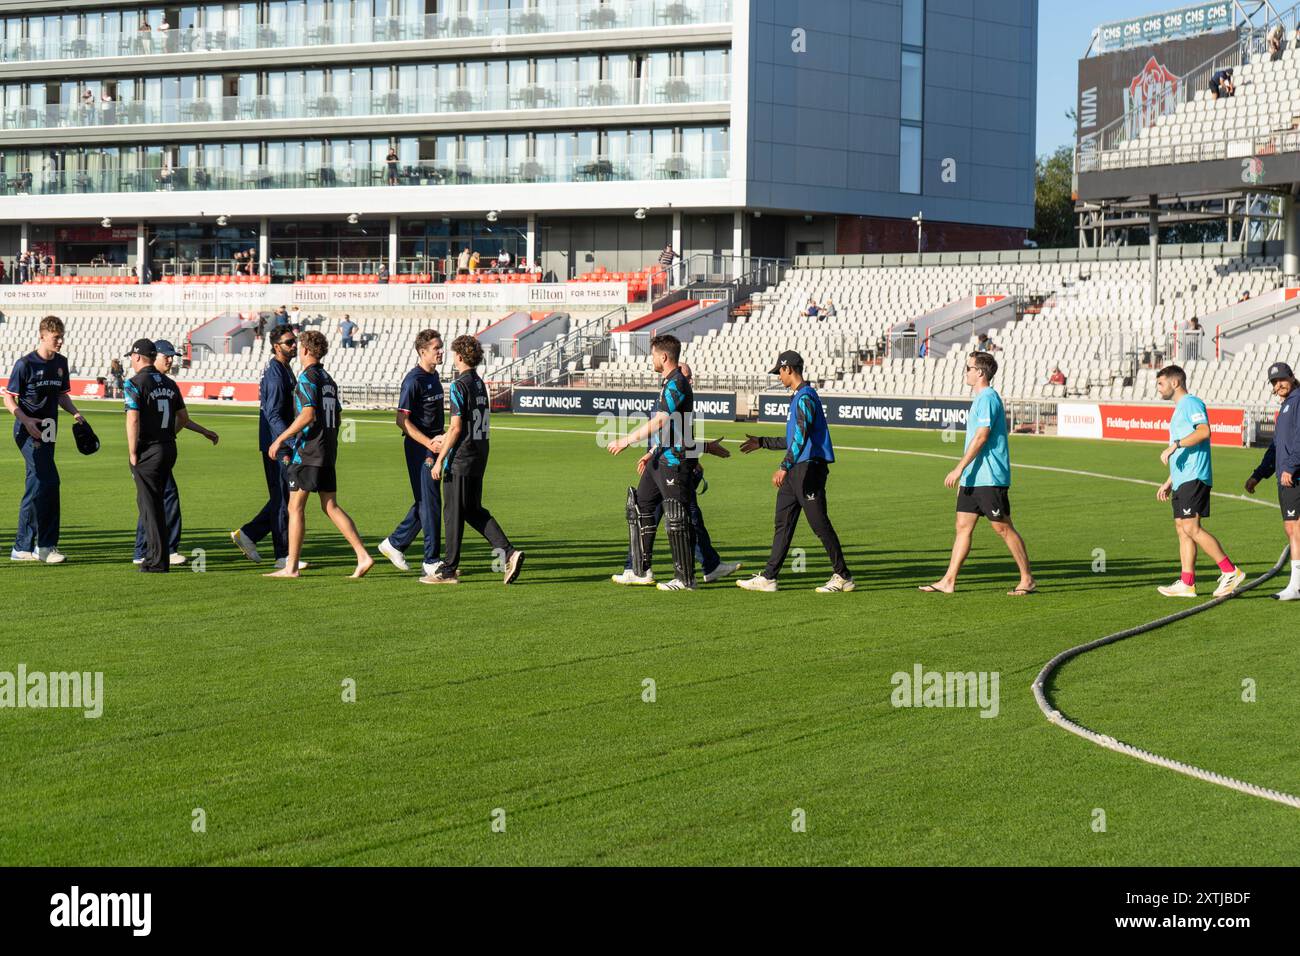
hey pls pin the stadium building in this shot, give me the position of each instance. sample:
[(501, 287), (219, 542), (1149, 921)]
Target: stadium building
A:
[(331, 136)]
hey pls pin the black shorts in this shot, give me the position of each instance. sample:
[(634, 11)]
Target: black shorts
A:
[(313, 478), (991, 501), (1191, 499), (1289, 501)]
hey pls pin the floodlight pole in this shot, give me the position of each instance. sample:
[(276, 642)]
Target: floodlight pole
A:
[(1153, 239)]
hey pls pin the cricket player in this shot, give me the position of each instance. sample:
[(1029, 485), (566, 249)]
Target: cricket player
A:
[(275, 412), (983, 479), (166, 357), (461, 465), (1283, 457), (314, 438), (800, 480), (155, 412), (667, 476), (420, 419), (1188, 486), (38, 387)]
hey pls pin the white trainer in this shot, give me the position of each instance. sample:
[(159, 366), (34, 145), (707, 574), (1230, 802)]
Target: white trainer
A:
[(15, 555), (1229, 581), (430, 569), (137, 560), (1178, 589), (175, 558), (836, 583), (676, 584), (245, 544), (1287, 594), (393, 555), (723, 570), (630, 577), (50, 555), (757, 583)]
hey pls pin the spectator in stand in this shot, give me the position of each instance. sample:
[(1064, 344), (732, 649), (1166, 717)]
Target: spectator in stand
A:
[(87, 100), (828, 310), (50, 269), (536, 268), (1245, 296), (812, 310), (392, 160), (165, 39), (259, 333), (666, 259), (1193, 336), (281, 316), (347, 328), (1275, 42), (462, 261), (503, 261), (3, 275), (986, 344), (1057, 378), (1221, 83), (24, 267), (116, 378), (474, 261), (382, 274)]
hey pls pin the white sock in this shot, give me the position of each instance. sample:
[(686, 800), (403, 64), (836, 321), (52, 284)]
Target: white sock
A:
[(1295, 577)]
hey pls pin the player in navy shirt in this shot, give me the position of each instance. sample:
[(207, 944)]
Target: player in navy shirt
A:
[(667, 477), (37, 388), (313, 437), (1283, 458), (275, 412), (462, 463), (420, 419)]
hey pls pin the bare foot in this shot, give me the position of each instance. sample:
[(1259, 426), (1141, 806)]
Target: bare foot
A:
[(938, 587), (363, 567), (282, 573)]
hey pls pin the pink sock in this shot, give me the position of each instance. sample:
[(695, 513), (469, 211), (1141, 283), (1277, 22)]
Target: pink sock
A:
[(1189, 578), (1226, 566)]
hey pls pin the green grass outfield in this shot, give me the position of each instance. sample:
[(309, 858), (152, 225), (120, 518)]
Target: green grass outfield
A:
[(223, 689)]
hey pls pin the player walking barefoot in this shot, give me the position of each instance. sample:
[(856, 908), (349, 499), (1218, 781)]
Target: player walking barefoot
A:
[(1283, 457), (1188, 486), (314, 435), (983, 478)]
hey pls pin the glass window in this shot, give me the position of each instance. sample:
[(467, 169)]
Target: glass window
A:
[(909, 159), (914, 22), (913, 71)]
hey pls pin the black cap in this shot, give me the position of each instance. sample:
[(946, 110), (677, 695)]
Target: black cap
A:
[(87, 440), (1279, 371), (163, 347), (144, 347), (792, 359)]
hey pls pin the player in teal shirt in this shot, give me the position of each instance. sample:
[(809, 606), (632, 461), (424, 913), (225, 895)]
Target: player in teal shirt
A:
[(983, 478), (1188, 486)]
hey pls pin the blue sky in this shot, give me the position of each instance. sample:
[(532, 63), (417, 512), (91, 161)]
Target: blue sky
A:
[(1064, 27)]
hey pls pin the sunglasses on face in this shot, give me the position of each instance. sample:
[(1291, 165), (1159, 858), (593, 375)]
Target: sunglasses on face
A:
[(287, 343)]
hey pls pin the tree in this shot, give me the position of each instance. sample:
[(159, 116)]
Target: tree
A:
[(1054, 221)]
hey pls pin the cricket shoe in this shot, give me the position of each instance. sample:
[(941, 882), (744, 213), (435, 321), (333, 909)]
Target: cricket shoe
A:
[(1178, 589), (757, 583), (245, 544), (442, 577), (514, 564), (725, 569), (1287, 594), (836, 583), (676, 584), (16, 555), (175, 558), (50, 556), (629, 576), (1229, 581), (431, 568), (393, 555)]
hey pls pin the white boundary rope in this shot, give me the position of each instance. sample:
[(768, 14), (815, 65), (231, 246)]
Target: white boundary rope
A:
[(1110, 743)]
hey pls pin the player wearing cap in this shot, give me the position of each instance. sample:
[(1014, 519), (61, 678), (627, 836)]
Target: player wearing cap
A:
[(667, 476), (166, 357), (420, 419), (983, 479), (155, 411), (275, 413), (461, 465), (800, 480), (1188, 486), (313, 440), (38, 387), (1283, 457)]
